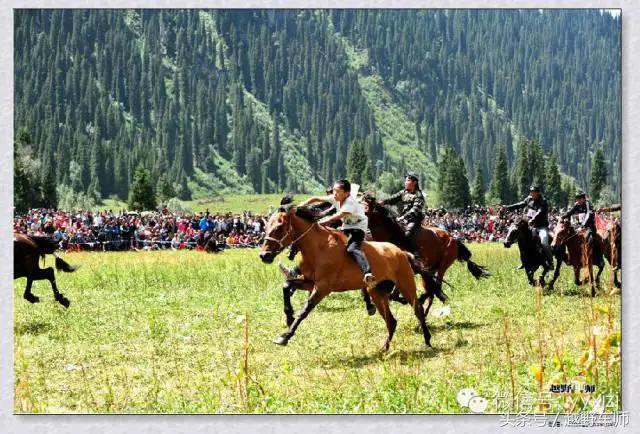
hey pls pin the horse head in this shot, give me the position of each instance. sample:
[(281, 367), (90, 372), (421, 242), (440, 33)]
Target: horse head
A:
[(562, 232), (516, 229), (370, 203), (278, 231)]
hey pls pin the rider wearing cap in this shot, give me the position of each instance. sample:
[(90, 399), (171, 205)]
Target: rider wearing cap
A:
[(586, 219), (412, 204), (537, 210)]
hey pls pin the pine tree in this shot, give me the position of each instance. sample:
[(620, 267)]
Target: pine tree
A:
[(453, 183), (500, 188), (478, 191), (142, 195), (356, 162), (553, 187), (598, 175)]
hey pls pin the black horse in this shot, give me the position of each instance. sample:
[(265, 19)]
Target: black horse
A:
[(27, 250), (531, 252)]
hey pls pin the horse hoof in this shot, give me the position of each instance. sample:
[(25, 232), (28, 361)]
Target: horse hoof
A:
[(371, 310), (64, 301), (281, 340), (32, 299), (384, 348)]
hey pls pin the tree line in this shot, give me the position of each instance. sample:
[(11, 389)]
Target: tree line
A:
[(188, 94)]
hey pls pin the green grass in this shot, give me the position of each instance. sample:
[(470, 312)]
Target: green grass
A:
[(233, 203), (165, 332)]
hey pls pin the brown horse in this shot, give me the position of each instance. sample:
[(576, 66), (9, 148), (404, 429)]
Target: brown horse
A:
[(612, 248), (329, 267), (438, 249), (27, 250), (579, 253)]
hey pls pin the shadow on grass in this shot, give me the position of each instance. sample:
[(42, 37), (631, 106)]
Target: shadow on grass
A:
[(378, 357), (575, 291), (458, 325), (32, 328)]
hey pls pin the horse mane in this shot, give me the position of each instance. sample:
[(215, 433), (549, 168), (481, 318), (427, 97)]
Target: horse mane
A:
[(387, 216), (308, 213)]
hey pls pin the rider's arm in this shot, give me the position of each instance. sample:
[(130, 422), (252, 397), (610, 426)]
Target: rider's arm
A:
[(391, 200), (571, 212), (330, 219), (315, 199), (517, 205)]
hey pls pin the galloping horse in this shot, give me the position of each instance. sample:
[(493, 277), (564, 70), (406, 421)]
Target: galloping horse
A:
[(329, 267), (531, 253), (27, 250), (290, 285), (438, 249), (580, 254)]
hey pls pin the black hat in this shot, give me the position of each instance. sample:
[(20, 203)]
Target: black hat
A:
[(534, 188), (580, 194), (412, 175)]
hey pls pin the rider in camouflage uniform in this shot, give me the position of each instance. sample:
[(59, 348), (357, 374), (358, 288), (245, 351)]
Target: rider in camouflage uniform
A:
[(411, 203)]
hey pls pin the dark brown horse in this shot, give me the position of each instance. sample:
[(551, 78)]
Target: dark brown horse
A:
[(329, 268), (27, 251), (438, 249), (579, 253)]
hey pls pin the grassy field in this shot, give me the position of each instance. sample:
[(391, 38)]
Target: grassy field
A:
[(256, 203), (188, 332)]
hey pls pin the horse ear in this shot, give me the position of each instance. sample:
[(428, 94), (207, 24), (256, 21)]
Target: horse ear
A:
[(285, 208), (286, 200)]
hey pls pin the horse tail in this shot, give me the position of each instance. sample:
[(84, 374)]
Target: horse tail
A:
[(464, 255), (61, 264)]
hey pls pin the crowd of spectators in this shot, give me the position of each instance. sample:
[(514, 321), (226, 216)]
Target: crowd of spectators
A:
[(106, 230), (478, 223)]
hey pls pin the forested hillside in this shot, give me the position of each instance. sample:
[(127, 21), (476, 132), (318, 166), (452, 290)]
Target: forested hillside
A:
[(272, 100)]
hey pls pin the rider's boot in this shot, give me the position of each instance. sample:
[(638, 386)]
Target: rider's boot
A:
[(289, 273)]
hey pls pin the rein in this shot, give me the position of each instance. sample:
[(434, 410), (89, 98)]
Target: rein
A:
[(288, 234)]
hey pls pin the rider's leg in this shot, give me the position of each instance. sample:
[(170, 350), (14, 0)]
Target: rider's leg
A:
[(410, 234), (354, 248), (543, 233)]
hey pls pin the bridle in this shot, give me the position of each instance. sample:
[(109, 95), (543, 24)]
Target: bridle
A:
[(288, 234)]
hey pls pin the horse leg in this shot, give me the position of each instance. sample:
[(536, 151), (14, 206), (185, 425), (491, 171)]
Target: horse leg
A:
[(545, 270), (287, 290), (556, 272), (49, 274), (616, 280), (591, 280), (314, 298), (576, 275), (28, 295), (600, 268), (530, 272), (371, 308), (405, 286), (381, 299)]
